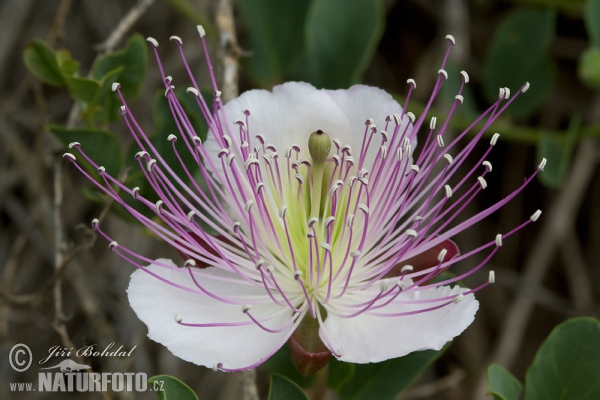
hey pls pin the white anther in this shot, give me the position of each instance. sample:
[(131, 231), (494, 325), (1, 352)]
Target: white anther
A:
[(101, 170), (115, 86), (411, 116), (408, 151), (122, 110), (443, 72), (230, 159), (95, 223), (190, 215), (383, 152), (312, 221), (197, 140), (460, 98), (246, 112), (150, 165), (448, 190), (451, 39), (152, 41), (135, 192), (442, 255), (245, 308), (256, 148), (372, 127), (176, 38), (236, 226), (542, 164), (223, 152), (369, 121), (506, 93), (172, 138), (354, 253), (282, 211), (141, 154), (201, 30), (113, 245), (337, 142), (217, 95), (440, 141), (297, 274), (250, 161), (329, 220), (412, 83), (432, 123), (415, 168), (482, 182), (239, 122), (158, 206), (499, 240), (407, 268), (74, 144), (534, 217), (189, 263), (492, 277), (310, 235), (449, 159), (525, 87), (487, 165), (363, 208), (227, 140), (465, 76), (501, 93), (326, 246), (259, 186), (167, 90), (383, 285), (401, 285), (417, 218), (399, 155), (193, 91), (494, 140), (178, 319), (411, 232), (69, 156), (350, 221), (458, 298), (215, 365), (363, 172), (248, 205), (259, 263), (347, 149), (364, 181)]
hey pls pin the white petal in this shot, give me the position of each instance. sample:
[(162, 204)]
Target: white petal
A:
[(157, 303), (368, 338)]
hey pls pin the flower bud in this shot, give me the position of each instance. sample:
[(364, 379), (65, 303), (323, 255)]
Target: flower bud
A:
[(319, 145)]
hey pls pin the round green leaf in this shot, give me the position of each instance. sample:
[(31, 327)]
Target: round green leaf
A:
[(170, 388), (567, 365), (284, 389), (518, 55), (40, 60), (592, 21), (502, 384), (341, 37), (588, 68)]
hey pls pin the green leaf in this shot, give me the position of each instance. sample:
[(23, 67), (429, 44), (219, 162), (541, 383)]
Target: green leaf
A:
[(339, 374), (40, 60), (567, 365), (68, 66), (518, 54), (341, 38), (132, 63), (386, 380), (83, 89), (592, 22), (170, 388), (101, 146), (283, 388), (557, 149), (502, 384), (276, 42), (588, 68)]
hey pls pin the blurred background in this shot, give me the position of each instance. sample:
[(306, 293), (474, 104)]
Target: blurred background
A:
[(61, 286)]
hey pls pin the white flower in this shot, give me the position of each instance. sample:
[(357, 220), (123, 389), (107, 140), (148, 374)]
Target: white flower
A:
[(321, 212)]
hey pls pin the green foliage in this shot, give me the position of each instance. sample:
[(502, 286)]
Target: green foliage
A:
[(40, 60), (300, 40), (276, 32), (502, 384), (170, 388), (557, 149), (518, 54), (588, 68), (340, 374), (338, 50), (283, 388), (101, 146), (567, 364), (387, 379), (281, 363)]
